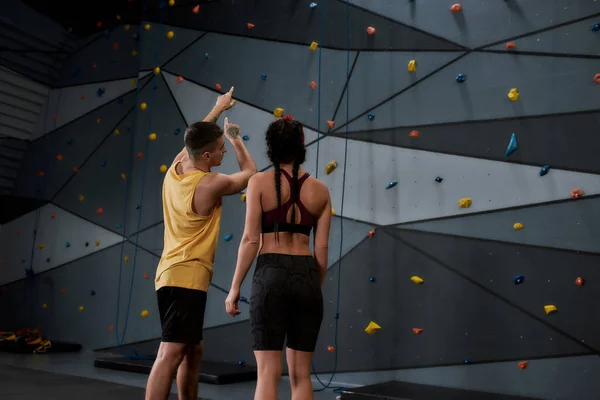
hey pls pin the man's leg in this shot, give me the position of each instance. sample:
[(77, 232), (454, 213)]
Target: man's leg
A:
[(168, 359), (187, 374)]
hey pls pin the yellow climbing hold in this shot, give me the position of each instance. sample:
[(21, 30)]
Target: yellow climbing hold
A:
[(134, 53), (143, 106), (81, 197), (97, 243), (123, 176), (514, 94), (163, 168), (127, 26), (170, 35), (412, 66), (171, 3), (372, 328), (157, 70), (152, 136), (132, 82), (330, 167), (278, 113), (313, 46), (126, 259), (243, 197), (144, 313), (550, 309), (147, 27), (417, 279), (42, 245), (80, 308), (518, 226), (117, 131), (44, 305), (465, 202), (333, 212)]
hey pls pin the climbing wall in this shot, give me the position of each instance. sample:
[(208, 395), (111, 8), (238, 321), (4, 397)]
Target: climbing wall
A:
[(465, 239)]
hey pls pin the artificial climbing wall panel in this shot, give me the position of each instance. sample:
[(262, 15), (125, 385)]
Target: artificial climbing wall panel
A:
[(160, 43)]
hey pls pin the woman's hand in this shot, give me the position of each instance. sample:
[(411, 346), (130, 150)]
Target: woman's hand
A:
[(231, 303)]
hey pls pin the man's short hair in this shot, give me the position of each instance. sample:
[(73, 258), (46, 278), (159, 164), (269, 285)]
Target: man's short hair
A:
[(200, 137)]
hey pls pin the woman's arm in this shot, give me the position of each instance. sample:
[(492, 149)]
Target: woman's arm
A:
[(321, 238)]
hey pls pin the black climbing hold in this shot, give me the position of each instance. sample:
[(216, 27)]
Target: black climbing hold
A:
[(48, 259), (100, 92), (92, 292), (438, 179), (137, 207), (87, 244), (519, 279)]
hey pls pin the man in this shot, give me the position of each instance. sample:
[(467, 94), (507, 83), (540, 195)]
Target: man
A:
[(192, 215)]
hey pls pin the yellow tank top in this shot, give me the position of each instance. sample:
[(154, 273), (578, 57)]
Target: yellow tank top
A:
[(190, 240)]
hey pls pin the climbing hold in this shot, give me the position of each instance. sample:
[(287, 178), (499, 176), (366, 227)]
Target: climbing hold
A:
[(144, 313), (518, 226), (523, 364), (372, 233), (63, 291), (244, 300), (250, 26), (513, 145), (550, 309), (123, 176), (245, 138), (170, 35), (126, 27), (243, 197), (330, 167), (467, 361), (143, 106), (41, 246), (391, 184), (99, 121), (518, 279), (179, 79), (312, 5), (126, 259), (196, 9), (460, 78), (118, 226), (171, 3), (92, 292), (75, 169), (117, 131), (263, 77), (278, 113), (80, 308), (579, 281), (163, 168), (417, 331), (68, 244), (133, 53), (44, 305), (330, 124), (438, 179), (156, 70), (147, 27), (54, 118), (97, 243), (139, 155), (116, 46), (330, 349), (100, 92), (456, 8), (111, 328), (313, 46), (40, 174), (152, 137), (206, 56), (417, 279), (371, 30), (241, 363), (333, 212), (29, 273), (465, 202), (514, 94), (576, 193), (595, 27), (597, 78), (414, 134), (177, 131), (372, 279), (99, 24), (100, 211), (544, 170), (146, 276), (132, 82), (412, 66), (82, 97), (228, 237), (371, 116), (218, 87), (313, 85), (81, 197), (87, 244), (372, 328), (510, 45), (52, 216)]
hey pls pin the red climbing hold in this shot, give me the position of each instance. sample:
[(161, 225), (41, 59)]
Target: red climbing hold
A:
[(250, 26), (330, 349), (54, 118), (94, 65), (100, 211), (371, 31), (218, 87), (82, 97), (414, 134), (52, 216), (523, 364), (75, 169), (579, 281), (99, 121), (40, 174), (372, 233), (576, 193), (331, 124), (63, 291), (116, 46), (179, 79), (99, 24), (196, 9), (313, 85), (111, 328), (417, 331), (456, 8), (510, 45), (597, 78), (58, 157), (140, 155), (146, 276)]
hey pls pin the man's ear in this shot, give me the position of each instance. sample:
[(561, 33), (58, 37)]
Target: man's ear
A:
[(206, 156)]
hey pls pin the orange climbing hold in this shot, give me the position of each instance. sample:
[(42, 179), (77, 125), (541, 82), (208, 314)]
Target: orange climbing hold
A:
[(576, 193), (99, 121), (597, 78), (331, 124), (313, 85), (250, 26), (579, 281), (58, 157), (218, 87), (146, 276), (100, 211), (179, 79), (75, 169), (196, 9), (456, 8), (82, 97), (510, 45), (111, 328), (372, 233), (63, 291), (414, 134), (371, 30), (52, 216), (330, 349), (417, 331), (140, 155), (523, 364), (40, 174), (54, 118)]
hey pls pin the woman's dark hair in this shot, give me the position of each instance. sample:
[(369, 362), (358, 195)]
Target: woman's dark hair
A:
[(285, 144)]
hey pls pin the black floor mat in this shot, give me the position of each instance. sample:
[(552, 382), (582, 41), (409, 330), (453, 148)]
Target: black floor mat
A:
[(210, 372)]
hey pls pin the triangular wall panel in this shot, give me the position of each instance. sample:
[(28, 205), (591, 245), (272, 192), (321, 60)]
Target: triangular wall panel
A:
[(60, 237), (73, 143), (155, 46), (490, 184), (484, 93)]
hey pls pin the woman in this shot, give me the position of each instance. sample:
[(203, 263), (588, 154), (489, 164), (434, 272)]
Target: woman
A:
[(286, 299)]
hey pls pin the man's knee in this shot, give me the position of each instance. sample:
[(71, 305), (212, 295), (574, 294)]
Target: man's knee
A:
[(173, 353)]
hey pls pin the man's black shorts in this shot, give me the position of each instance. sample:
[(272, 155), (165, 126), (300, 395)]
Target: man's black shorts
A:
[(181, 314)]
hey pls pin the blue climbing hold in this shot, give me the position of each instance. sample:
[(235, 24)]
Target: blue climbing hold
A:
[(68, 244), (313, 5), (460, 78), (118, 226), (513, 145), (92, 292), (104, 164), (519, 279), (246, 137), (48, 259), (228, 237), (206, 56), (70, 141), (596, 27), (243, 299), (545, 169), (467, 361), (100, 92), (372, 278), (371, 116), (391, 184), (263, 77), (177, 131), (241, 362), (154, 85), (29, 272), (438, 179)]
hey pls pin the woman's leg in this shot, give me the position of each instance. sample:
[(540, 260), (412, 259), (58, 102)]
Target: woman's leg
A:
[(299, 370), (269, 364)]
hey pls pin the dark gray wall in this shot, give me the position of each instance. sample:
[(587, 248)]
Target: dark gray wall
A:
[(468, 306)]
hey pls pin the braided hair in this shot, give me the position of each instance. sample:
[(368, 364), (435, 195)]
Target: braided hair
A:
[(285, 144)]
